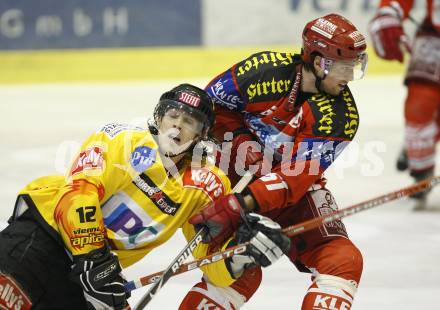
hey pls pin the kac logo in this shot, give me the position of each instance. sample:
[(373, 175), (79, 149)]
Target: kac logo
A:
[(142, 158)]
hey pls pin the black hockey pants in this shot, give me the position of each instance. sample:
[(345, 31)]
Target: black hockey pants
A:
[(39, 265)]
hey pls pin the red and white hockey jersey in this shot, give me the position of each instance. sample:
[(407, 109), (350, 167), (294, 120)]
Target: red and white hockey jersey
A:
[(305, 132)]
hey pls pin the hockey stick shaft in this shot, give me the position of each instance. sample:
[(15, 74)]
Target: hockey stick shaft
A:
[(299, 228), (322, 220), (163, 277)]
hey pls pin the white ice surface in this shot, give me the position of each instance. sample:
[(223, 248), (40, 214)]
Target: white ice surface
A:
[(401, 248)]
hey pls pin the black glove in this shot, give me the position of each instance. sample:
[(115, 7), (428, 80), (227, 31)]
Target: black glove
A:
[(99, 274), (267, 243)]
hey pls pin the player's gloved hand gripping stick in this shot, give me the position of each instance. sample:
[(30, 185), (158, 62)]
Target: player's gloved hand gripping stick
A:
[(295, 229), (175, 265)]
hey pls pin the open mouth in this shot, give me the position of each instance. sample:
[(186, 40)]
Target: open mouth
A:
[(174, 136), (342, 85)]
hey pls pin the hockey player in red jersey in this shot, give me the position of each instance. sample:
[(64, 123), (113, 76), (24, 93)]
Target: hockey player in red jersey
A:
[(422, 104), (129, 190), (297, 111)]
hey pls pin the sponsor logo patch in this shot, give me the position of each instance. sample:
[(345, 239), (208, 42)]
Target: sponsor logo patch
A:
[(325, 204), (206, 180), (189, 99), (358, 38), (324, 27), (351, 114), (156, 195), (268, 88), (335, 116), (142, 158), (326, 107), (90, 159), (326, 151), (85, 237), (224, 93), (12, 296), (131, 224), (264, 59), (112, 130), (324, 301)]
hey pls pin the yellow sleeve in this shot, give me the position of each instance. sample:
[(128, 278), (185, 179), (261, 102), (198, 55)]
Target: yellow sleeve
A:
[(103, 166), (217, 272)]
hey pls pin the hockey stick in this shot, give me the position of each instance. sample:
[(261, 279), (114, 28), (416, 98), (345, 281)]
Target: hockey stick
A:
[(173, 268), (296, 229)]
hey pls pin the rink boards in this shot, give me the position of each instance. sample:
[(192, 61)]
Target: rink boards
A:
[(119, 40)]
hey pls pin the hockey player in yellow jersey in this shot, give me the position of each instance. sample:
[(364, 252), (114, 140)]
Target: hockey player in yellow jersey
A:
[(128, 191)]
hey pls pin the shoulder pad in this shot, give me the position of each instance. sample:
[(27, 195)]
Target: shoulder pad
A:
[(334, 116), (224, 92), (113, 129), (258, 61), (208, 180), (266, 76)]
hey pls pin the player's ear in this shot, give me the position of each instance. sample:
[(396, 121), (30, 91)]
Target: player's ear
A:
[(317, 66)]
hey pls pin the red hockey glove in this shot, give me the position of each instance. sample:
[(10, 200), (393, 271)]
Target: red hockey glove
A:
[(389, 39), (220, 218), (249, 156)]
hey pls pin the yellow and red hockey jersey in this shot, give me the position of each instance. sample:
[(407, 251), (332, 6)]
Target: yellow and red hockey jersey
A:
[(118, 189)]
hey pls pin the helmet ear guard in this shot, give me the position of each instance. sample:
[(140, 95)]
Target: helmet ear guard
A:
[(325, 64)]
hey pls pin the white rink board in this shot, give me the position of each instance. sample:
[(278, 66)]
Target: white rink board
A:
[(401, 248), (260, 22)]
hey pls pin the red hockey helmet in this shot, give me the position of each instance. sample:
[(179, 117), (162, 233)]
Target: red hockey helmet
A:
[(340, 44), (334, 37)]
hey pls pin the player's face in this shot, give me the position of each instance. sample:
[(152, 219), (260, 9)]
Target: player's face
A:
[(340, 72), (333, 85), (178, 130)]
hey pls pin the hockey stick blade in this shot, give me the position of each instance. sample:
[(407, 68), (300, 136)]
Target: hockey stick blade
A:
[(293, 230)]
